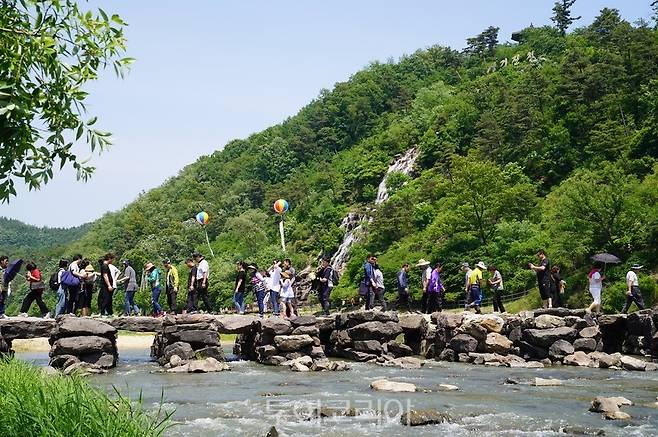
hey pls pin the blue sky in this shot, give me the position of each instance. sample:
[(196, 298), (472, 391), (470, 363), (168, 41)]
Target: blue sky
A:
[(211, 71)]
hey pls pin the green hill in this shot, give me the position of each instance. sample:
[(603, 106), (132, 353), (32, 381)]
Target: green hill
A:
[(16, 235), (551, 142)]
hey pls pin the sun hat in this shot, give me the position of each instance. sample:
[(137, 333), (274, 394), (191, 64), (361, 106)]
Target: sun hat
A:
[(89, 269), (465, 265), (422, 262), (481, 265), (636, 266), (149, 266)]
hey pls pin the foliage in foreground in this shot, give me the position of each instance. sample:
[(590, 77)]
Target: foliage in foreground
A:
[(33, 403)]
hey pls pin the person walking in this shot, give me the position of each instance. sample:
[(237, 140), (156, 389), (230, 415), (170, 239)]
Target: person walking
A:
[(557, 287), (107, 286), (74, 290), (543, 278), (290, 273), (369, 280), (425, 275), (153, 279), (87, 283), (202, 276), (633, 289), (326, 284), (377, 297), (466, 268), (36, 287), (403, 288), (496, 287), (475, 287), (435, 290), (275, 286), (172, 283), (5, 288), (191, 303), (60, 306), (595, 285), (239, 288), (260, 287), (287, 295), (130, 279)]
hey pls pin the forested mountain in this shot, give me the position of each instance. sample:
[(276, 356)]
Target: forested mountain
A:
[(16, 235), (551, 142)]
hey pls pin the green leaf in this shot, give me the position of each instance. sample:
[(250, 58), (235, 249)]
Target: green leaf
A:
[(78, 134), (103, 14), (91, 121)]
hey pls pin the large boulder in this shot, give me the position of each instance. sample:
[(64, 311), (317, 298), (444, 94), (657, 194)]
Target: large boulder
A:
[(531, 351), (311, 330), (546, 337), (640, 323), (447, 320), (585, 344), (547, 321), (398, 350), (369, 346), (630, 363), (26, 327), (82, 345), (291, 343), (474, 329), (605, 360), (578, 358), (392, 386), (560, 349), (613, 331), (350, 320), (590, 332), (276, 326), (413, 322), (359, 356), (423, 417), (490, 322), (463, 343), (602, 404), (304, 321), (382, 331), (235, 324), (340, 338), (136, 324), (80, 326), (498, 343), (199, 338), (183, 350), (215, 352)]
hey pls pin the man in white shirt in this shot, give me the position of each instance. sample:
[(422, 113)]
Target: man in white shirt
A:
[(633, 289), (202, 274)]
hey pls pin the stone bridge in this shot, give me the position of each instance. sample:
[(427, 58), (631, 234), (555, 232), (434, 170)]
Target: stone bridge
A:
[(192, 343)]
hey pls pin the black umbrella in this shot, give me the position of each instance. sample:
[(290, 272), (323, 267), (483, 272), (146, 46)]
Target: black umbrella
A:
[(606, 258), (12, 270)]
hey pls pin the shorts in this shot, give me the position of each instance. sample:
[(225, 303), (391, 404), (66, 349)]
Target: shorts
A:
[(596, 295), (84, 299), (545, 292)]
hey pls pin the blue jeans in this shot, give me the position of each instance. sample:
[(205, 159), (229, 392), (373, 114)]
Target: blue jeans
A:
[(274, 298), (260, 297), (129, 304), (60, 307), (238, 300), (155, 296), (475, 295)]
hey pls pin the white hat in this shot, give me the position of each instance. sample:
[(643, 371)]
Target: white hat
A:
[(422, 262), (481, 265)]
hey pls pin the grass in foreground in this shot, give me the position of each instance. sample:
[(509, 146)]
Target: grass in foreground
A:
[(33, 403)]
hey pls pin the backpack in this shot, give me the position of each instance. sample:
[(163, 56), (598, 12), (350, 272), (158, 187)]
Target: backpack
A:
[(53, 282), (69, 279), (333, 280)]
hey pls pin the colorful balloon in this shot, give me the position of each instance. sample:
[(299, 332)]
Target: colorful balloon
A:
[(281, 206), (203, 218)]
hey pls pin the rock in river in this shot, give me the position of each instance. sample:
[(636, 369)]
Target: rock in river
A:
[(392, 386)]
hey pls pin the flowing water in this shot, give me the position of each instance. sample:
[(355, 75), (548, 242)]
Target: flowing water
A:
[(251, 398), (352, 223)]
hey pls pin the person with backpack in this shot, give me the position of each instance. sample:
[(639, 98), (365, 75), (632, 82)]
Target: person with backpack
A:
[(153, 280), (60, 307), (87, 287), (73, 290), (403, 288), (36, 288), (259, 285), (328, 280)]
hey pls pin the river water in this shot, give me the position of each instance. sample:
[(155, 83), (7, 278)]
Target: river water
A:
[(251, 398)]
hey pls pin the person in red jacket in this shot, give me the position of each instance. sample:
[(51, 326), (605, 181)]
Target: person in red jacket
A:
[(36, 287)]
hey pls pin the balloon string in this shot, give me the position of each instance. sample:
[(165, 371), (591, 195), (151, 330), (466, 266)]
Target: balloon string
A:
[(208, 241)]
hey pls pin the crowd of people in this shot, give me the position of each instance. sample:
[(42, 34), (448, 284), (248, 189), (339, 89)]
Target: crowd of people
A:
[(76, 281)]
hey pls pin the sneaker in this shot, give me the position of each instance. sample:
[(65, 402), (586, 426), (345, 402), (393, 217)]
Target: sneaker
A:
[(23, 315), (2, 316), (47, 316)]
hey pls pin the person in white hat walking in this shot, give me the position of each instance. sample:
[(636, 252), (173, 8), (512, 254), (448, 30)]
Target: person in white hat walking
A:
[(633, 289), (475, 287)]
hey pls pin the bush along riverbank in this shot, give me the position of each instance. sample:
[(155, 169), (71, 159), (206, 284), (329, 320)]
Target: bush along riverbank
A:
[(34, 402)]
